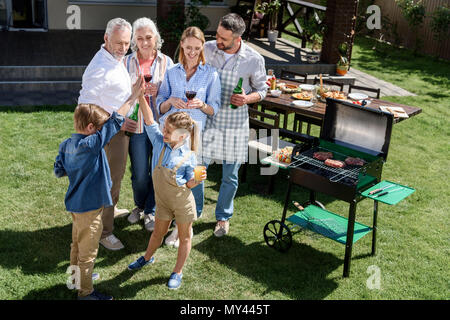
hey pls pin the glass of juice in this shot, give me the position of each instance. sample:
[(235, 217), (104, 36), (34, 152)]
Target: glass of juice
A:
[(198, 172)]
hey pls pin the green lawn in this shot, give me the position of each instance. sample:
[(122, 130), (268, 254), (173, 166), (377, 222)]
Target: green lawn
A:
[(413, 236)]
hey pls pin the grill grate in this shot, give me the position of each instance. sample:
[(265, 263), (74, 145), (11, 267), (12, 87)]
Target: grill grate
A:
[(306, 161)]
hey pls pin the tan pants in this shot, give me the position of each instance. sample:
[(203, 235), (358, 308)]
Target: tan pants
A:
[(86, 231), (117, 153)]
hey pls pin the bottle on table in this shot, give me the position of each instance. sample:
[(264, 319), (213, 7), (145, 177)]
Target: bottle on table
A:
[(273, 83), (133, 116), (237, 90)]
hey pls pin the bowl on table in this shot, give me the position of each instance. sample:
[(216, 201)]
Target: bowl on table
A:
[(302, 103), (307, 87), (275, 93)]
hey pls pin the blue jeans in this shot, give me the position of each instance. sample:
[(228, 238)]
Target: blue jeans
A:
[(140, 150), (228, 189)]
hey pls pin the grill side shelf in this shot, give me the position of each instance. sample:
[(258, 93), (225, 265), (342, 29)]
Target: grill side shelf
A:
[(394, 194)]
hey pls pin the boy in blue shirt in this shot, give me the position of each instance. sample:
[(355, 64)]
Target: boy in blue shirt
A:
[(83, 160)]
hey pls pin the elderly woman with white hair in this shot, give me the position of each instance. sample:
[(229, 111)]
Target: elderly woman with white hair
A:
[(145, 59)]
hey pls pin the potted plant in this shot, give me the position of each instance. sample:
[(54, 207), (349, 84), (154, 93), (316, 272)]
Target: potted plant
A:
[(343, 64), (270, 9), (313, 31)]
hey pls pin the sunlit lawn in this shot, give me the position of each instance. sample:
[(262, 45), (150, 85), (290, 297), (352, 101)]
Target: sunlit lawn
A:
[(413, 236)]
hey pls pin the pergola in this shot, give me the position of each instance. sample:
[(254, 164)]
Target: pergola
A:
[(340, 19)]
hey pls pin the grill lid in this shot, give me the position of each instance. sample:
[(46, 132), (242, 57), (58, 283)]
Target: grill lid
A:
[(360, 128)]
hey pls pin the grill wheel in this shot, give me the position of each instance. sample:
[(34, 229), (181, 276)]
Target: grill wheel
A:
[(277, 235)]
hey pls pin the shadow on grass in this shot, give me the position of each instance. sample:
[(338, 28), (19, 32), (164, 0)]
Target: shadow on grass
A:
[(47, 251), (300, 273), (256, 183), (42, 251), (127, 289)]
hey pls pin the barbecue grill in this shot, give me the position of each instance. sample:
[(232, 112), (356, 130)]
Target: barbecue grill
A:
[(348, 130)]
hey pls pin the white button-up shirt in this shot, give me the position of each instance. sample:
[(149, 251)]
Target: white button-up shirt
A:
[(105, 82)]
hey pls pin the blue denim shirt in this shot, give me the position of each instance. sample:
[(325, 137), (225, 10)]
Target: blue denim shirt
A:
[(205, 81), (171, 156), (83, 159)]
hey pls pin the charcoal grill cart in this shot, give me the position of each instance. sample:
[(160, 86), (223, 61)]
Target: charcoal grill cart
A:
[(348, 130)]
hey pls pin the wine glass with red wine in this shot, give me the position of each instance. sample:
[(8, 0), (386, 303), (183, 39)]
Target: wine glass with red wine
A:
[(190, 94), (147, 78)]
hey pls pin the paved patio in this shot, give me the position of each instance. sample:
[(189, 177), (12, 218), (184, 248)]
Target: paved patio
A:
[(285, 54), (50, 73)]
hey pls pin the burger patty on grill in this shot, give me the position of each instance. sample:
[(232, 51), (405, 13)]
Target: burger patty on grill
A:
[(354, 161), (334, 163), (322, 155)]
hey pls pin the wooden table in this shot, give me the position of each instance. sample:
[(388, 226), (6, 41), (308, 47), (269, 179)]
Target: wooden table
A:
[(315, 114)]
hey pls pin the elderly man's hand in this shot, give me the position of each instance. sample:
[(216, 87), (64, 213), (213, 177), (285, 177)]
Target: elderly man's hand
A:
[(129, 125)]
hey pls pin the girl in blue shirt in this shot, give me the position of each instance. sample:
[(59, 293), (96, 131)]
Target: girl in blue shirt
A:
[(190, 74), (173, 163)]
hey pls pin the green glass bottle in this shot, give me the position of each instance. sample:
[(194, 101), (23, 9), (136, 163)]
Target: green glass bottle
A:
[(237, 90), (133, 116)]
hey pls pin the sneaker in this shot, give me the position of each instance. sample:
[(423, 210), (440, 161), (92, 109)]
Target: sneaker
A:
[(149, 222), (222, 228), (95, 295), (175, 281), (172, 238), (120, 213), (139, 263), (135, 215), (111, 243)]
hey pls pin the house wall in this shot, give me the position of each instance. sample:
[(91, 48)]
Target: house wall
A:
[(96, 16)]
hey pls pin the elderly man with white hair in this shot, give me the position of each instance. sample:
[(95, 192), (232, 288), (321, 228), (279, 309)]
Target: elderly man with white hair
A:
[(145, 59), (106, 83)]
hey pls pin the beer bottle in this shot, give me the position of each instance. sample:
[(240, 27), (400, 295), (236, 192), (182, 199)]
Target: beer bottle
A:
[(133, 116), (237, 90)]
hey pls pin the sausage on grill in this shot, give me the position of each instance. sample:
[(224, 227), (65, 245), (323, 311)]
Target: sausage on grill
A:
[(322, 155), (334, 163)]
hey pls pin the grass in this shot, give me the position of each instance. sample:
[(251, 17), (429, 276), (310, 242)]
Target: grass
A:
[(412, 243)]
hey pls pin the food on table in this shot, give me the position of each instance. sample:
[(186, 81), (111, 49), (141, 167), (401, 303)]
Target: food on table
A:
[(361, 103), (334, 163), (304, 95), (283, 155), (289, 88), (322, 155), (354, 161), (332, 94)]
